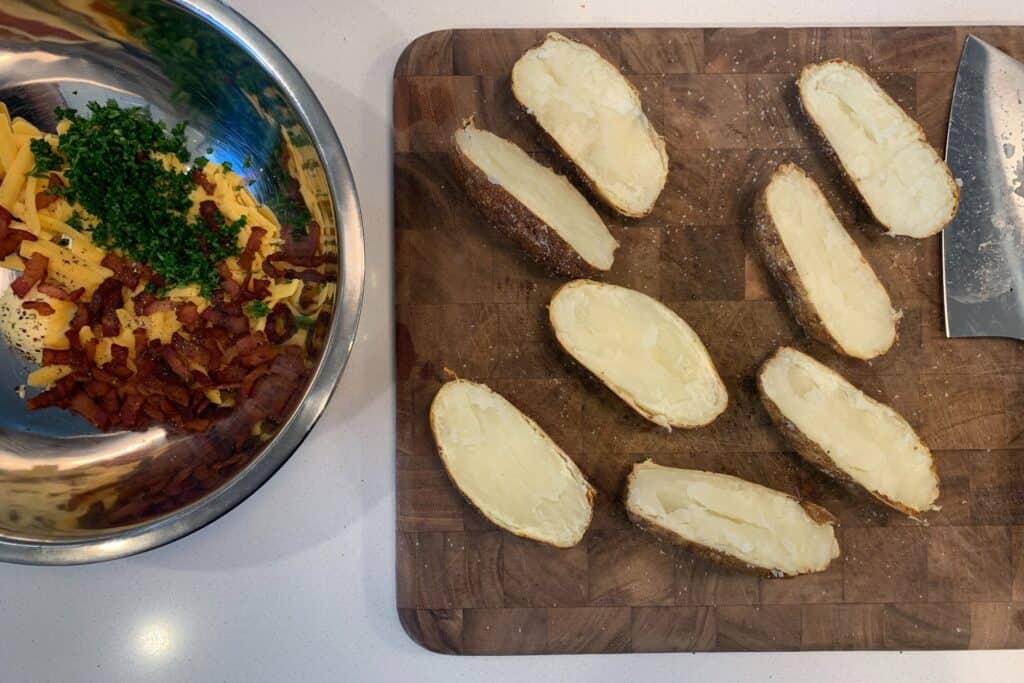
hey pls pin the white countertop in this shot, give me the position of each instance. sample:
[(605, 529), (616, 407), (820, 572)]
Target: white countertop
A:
[(297, 584)]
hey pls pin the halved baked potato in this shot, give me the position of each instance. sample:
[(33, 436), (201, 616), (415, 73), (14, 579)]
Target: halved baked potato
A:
[(595, 118), (508, 467), (641, 349), (731, 520), (846, 433), (537, 208), (883, 152), (831, 289)]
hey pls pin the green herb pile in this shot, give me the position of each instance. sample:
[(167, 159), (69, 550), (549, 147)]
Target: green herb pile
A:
[(135, 204)]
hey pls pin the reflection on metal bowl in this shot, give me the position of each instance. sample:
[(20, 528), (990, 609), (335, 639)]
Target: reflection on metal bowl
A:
[(68, 493)]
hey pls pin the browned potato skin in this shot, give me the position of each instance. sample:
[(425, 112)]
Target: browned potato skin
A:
[(578, 173), (815, 455), (830, 152), (518, 223), (782, 270), (816, 512), (447, 471)]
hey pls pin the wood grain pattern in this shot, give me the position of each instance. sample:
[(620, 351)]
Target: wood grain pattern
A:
[(467, 300)]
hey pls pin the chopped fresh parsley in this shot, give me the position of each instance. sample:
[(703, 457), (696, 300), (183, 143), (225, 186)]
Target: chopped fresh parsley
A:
[(257, 309), (304, 322), (47, 158), (200, 162), (247, 161), (226, 165), (137, 205), (298, 139)]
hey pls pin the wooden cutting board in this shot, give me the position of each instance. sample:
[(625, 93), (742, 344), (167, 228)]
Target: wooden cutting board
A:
[(469, 301)]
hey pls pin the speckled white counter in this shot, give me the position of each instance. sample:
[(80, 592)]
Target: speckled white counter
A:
[(297, 584)]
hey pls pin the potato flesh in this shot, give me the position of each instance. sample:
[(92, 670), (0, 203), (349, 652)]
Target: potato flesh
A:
[(508, 467), (902, 179), (757, 525), (847, 295), (546, 194), (867, 440), (642, 350), (596, 117)]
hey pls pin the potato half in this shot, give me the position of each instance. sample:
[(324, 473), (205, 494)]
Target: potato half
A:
[(731, 520), (508, 467), (846, 433), (594, 116), (833, 292), (883, 151), (534, 206), (643, 351)]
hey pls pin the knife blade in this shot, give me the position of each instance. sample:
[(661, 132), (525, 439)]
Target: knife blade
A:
[(983, 246)]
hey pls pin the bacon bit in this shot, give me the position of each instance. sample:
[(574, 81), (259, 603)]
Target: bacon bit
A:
[(199, 178), (142, 300), (5, 221), (258, 357), (48, 196), (87, 408), (107, 297), (53, 290), (252, 245), (175, 363), (61, 357), (270, 270), (280, 324), (141, 339), (96, 389), (35, 271), (307, 275), (252, 377), (211, 215), (243, 346), (259, 289), (130, 410), (110, 324), (188, 315), (40, 307), (300, 248), (119, 354), (159, 306), (89, 350), (196, 424), (131, 273), (12, 239)]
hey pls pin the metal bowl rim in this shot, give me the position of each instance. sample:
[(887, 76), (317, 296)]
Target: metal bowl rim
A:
[(332, 363)]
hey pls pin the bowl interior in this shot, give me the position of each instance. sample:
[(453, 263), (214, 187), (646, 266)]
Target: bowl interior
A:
[(67, 492)]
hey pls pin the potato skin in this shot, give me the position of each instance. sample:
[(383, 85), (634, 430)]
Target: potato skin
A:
[(784, 272), (589, 183), (506, 213), (447, 471), (830, 152), (816, 512), (810, 451)]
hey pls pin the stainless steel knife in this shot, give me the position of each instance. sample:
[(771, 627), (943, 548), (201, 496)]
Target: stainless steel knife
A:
[(983, 247)]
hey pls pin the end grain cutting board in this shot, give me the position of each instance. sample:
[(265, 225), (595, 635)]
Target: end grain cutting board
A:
[(468, 300)]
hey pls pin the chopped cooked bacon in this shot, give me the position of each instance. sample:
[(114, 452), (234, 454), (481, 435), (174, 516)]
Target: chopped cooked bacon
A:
[(301, 247), (252, 377), (280, 324), (259, 288), (211, 215), (119, 354), (11, 239), (55, 291), (61, 357), (252, 245), (49, 195), (35, 271), (188, 315), (175, 363), (131, 273), (87, 408), (141, 339), (199, 178), (108, 296), (271, 270), (40, 307), (5, 221), (89, 350), (242, 346), (306, 275), (258, 357)]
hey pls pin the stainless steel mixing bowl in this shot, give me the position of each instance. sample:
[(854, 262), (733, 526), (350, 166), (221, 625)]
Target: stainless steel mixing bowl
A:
[(69, 494)]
